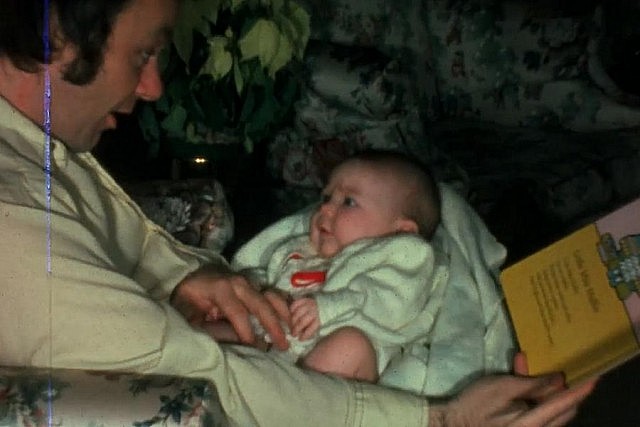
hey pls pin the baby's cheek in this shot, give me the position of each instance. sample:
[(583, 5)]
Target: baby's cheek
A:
[(313, 231), (328, 248)]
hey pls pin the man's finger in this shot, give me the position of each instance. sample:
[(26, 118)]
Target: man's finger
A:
[(520, 366), (563, 419), (236, 311), (545, 391), (258, 305), (559, 406), (279, 304), (532, 388), (555, 385), (213, 314)]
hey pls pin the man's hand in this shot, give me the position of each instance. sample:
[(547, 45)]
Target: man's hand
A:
[(305, 320), (513, 401), (214, 292)]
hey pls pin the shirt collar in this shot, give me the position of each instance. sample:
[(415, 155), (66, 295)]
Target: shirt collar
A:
[(27, 138)]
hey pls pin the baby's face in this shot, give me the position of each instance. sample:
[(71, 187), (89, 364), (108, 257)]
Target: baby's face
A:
[(358, 202)]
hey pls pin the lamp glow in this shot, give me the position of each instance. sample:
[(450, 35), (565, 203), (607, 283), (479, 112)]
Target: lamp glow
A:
[(199, 160)]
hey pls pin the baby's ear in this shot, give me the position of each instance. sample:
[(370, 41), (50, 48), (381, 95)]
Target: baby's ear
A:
[(406, 225)]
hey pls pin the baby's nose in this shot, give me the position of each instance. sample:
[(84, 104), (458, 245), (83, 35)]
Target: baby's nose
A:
[(327, 208)]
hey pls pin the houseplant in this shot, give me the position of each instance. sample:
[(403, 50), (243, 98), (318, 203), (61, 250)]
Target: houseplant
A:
[(231, 74)]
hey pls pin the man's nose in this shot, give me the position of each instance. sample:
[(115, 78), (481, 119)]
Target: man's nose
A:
[(150, 85)]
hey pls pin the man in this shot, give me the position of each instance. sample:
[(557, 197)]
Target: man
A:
[(88, 282)]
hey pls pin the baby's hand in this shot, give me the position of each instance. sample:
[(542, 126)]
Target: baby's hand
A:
[(304, 318)]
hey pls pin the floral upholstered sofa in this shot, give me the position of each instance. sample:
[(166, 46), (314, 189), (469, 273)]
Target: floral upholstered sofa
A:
[(526, 108), (58, 397), (529, 107)]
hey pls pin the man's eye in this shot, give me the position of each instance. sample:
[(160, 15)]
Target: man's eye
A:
[(146, 55), (325, 198), (349, 201)]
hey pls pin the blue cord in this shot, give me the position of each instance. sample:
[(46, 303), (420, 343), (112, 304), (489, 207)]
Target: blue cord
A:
[(47, 171)]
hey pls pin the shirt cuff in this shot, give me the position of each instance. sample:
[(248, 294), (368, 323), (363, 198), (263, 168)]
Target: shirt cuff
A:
[(402, 409)]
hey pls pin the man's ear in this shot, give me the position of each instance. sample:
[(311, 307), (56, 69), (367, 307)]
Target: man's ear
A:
[(406, 225)]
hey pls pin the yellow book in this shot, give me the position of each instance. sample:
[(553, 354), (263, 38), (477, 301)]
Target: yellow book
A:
[(575, 305)]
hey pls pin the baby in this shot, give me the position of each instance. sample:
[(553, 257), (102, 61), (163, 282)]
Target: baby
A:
[(363, 279)]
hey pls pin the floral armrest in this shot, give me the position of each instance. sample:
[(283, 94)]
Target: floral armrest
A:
[(39, 397), (195, 211)]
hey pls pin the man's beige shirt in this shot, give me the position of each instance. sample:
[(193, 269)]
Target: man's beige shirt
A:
[(85, 280)]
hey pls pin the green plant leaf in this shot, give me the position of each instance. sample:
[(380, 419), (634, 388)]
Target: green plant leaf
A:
[(162, 104), (175, 121), (247, 144), (283, 56), (210, 106), (194, 15), (183, 41), (287, 27), (261, 41), (178, 87), (248, 106), (295, 26), (149, 123), (220, 60), (277, 6), (193, 99), (192, 136), (302, 23), (163, 59), (228, 71), (264, 114), (287, 96), (254, 73), (235, 4), (238, 77)]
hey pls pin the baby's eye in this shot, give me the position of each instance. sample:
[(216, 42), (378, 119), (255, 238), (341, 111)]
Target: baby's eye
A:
[(349, 201), (325, 198)]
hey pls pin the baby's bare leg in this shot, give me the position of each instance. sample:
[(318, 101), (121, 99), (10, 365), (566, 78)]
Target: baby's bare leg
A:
[(346, 352)]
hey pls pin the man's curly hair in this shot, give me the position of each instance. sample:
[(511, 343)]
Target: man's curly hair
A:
[(86, 24)]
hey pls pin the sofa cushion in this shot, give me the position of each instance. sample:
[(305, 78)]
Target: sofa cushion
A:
[(524, 180), (354, 98), (360, 79), (394, 27), (523, 63)]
